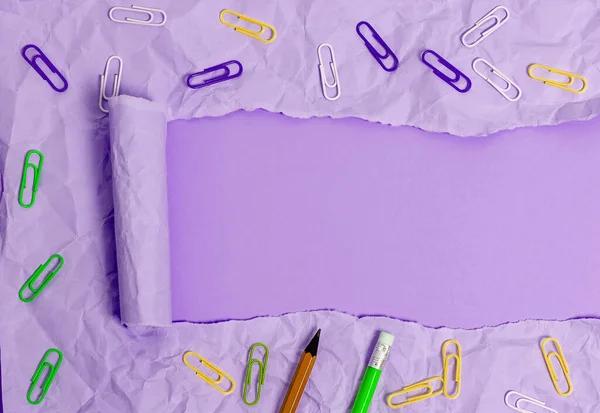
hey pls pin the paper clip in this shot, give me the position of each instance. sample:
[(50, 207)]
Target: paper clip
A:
[(226, 75), (255, 34), (41, 56), (498, 22), (213, 382), (446, 363), (33, 278), (116, 84), (336, 81), (457, 73), (52, 370), (523, 399), (378, 56), (37, 170), (262, 371), (563, 364), (422, 385), (502, 89), (555, 83), (147, 11)]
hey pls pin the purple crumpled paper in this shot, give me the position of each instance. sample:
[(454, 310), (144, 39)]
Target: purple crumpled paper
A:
[(283, 76), (138, 159), (110, 368)]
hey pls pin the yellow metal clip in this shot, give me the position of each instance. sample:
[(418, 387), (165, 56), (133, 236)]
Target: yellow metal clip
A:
[(556, 83), (422, 385), (255, 34), (563, 365), (213, 382), (457, 362)]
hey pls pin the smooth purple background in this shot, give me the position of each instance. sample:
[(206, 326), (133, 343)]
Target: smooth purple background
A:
[(270, 214)]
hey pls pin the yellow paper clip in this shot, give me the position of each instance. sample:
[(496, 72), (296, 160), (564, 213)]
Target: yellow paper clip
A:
[(213, 382), (255, 34), (556, 83), (563, 364), (458, 361), (422, 385)]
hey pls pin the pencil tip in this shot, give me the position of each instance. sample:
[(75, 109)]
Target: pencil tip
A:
[(314, 344)]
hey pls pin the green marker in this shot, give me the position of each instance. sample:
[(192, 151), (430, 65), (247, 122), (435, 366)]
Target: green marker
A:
[(372, 373)]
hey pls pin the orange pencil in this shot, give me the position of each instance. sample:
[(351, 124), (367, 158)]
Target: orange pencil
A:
[(305, 365)]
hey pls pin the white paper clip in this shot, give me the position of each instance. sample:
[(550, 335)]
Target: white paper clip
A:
[(485, 19), (116, 84), (523, 399), (336, 81), (502, 89), (146, 11)]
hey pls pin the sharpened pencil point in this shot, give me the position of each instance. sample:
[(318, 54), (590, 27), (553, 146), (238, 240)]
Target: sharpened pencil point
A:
[(301, 376), (314, 344)]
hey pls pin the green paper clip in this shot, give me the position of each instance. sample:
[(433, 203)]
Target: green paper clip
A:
[(262, 366), (37, 170), (53, 369), (29, 283)]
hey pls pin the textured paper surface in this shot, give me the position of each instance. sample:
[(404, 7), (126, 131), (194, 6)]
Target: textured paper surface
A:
[(139, 168), (109, 368), (283, 76), (113, 369)]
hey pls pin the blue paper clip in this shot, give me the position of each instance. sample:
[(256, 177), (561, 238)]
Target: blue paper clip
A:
[(226, 75), (41, 56), (29, 283), (457, 73), (378, 56), (52, 370)]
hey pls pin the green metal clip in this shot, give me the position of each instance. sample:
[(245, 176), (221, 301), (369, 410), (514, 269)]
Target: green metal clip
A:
[(262, 371), (29, 283), (53, 369), (37, 170)]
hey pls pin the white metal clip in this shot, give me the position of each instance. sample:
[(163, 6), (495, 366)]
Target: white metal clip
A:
[(116, 84), (503, 89), (336, 81), (523, 399), (491, 16), (146, 11)]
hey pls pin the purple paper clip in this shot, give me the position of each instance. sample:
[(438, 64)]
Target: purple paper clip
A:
[(457, 73), (378, 56), (226, 75), (41, 56)]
